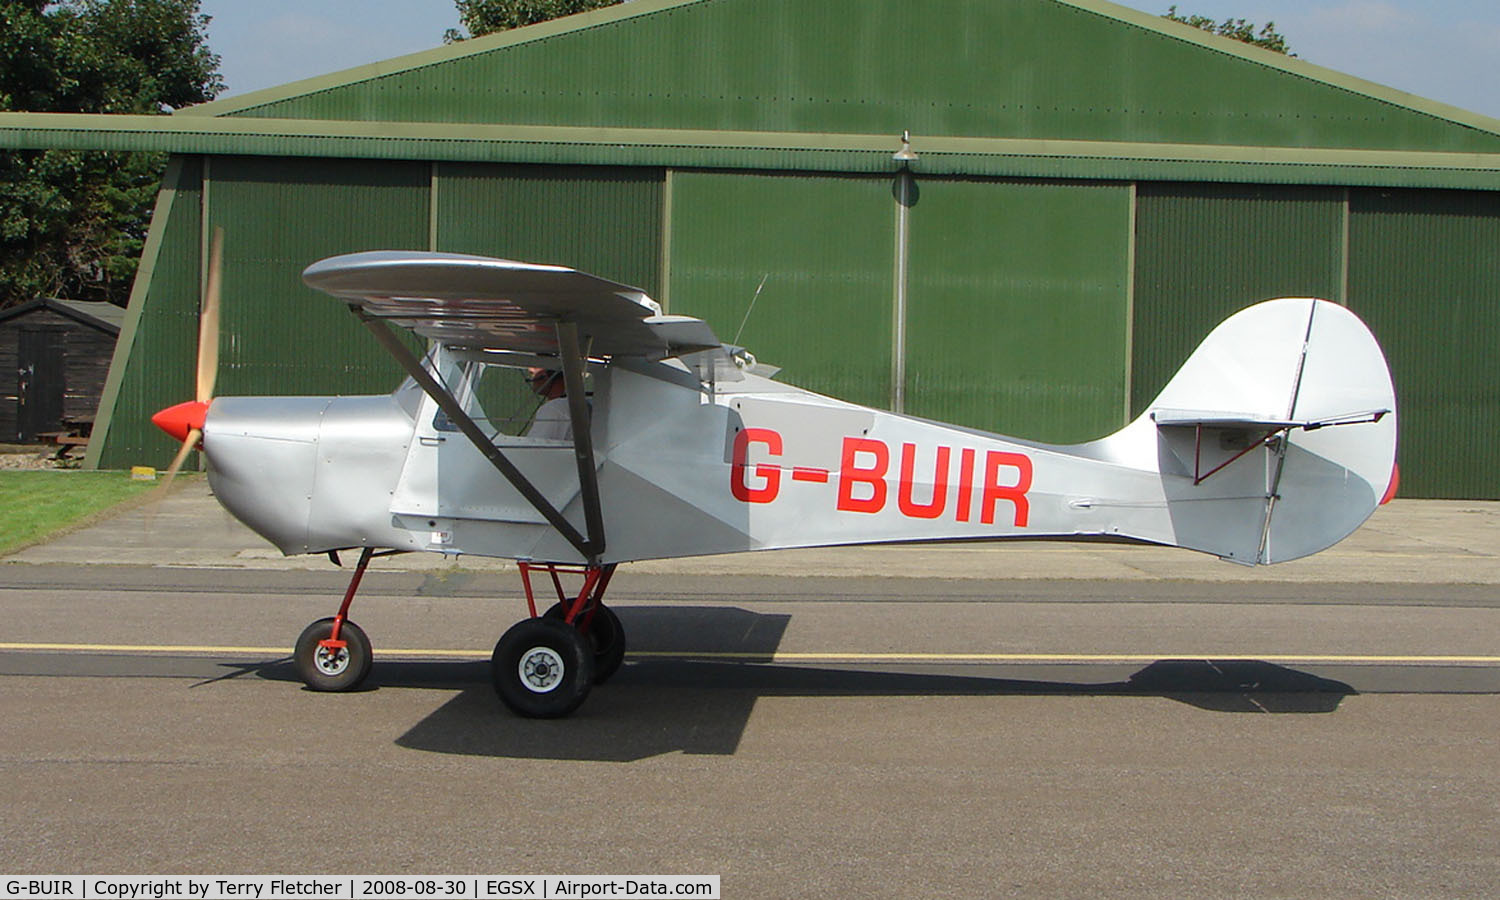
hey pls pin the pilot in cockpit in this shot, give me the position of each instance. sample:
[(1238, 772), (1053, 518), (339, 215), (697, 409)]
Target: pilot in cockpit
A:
[(551, 421)]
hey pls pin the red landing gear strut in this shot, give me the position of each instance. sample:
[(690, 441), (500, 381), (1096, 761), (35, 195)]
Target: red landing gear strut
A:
[(544, 666), (334, 654)]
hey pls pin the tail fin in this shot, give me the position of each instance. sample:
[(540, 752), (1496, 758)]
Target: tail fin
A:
[(1276, 439)]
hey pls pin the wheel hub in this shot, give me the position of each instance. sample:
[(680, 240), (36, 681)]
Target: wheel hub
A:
[(331, 661), (541, 669)]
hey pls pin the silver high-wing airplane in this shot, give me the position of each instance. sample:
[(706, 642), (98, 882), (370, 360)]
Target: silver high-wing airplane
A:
[(1275, 440)]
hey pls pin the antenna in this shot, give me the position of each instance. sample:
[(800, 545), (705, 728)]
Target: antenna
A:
[(736, 341)]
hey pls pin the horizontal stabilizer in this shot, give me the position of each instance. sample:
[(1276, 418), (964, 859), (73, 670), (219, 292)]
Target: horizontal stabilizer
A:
[(1190, 418)]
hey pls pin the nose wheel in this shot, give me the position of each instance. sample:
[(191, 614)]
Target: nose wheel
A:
[(334, 654), (328, 663)]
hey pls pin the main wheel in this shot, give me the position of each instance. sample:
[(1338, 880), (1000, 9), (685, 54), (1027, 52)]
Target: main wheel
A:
[(542, 668), (606, 636), (332, 669)]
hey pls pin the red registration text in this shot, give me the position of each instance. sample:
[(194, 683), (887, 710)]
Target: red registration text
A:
[(865, 484)]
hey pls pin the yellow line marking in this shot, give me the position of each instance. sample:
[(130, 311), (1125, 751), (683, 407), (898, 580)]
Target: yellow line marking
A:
[(198, 648), (783, 656), (143, 648)]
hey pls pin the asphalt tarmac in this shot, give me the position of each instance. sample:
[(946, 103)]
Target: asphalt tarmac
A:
[(896, 723)]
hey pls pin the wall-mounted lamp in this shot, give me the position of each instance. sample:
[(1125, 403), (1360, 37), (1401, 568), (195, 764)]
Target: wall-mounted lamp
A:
[(906, 154)]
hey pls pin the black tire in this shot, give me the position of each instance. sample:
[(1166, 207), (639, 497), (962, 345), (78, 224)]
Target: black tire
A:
[(542, 668), (342, 670), (607, 637)]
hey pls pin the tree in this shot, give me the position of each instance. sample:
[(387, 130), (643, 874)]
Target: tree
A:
[(72, 223), (486, 16), (1237, 29)]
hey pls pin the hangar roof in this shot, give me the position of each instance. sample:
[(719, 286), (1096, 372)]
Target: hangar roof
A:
[(1058, 69), (1046, 88)]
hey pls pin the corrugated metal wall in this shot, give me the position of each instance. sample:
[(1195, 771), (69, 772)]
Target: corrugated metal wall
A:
[(1016, 314), (1204, 251), (598, 219), (163, 345), (1018, 68), (279, 215), (1425, 274), (1022, 308), (1017, 318), (1421, 267), (824, 245)]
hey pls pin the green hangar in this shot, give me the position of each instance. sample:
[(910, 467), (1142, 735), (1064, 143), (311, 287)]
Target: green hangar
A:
[(1086, 191)]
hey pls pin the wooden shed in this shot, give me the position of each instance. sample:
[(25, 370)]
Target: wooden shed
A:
[(54, 357)]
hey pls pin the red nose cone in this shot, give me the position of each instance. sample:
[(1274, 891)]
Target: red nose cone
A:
[(180, 419)]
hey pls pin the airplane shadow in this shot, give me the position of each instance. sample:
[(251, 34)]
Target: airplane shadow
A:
[(678, 703)]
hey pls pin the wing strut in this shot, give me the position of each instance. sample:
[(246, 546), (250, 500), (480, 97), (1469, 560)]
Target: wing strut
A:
[(583, 441), (455, 413)]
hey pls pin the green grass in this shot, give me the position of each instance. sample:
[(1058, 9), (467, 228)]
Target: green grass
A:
[(38, 503)]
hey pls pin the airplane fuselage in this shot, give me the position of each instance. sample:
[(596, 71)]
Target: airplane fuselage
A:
[(689, 469)]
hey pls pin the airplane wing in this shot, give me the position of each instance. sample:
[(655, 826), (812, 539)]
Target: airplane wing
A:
[(498, 304)]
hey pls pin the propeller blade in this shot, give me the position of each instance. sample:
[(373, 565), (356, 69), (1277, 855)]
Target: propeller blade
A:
[(185, 420), (188, 444), (208, 321)]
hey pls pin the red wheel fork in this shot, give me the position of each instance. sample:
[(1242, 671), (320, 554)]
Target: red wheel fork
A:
[(333, 641), (595, 582)]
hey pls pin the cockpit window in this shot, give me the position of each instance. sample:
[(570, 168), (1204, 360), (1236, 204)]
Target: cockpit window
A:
[(497, 398)]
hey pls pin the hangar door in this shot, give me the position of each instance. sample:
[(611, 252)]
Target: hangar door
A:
[(1417, 265), (1018, 317), (1423, 272), (823, 246), (1206, 251), (1016, 311)]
